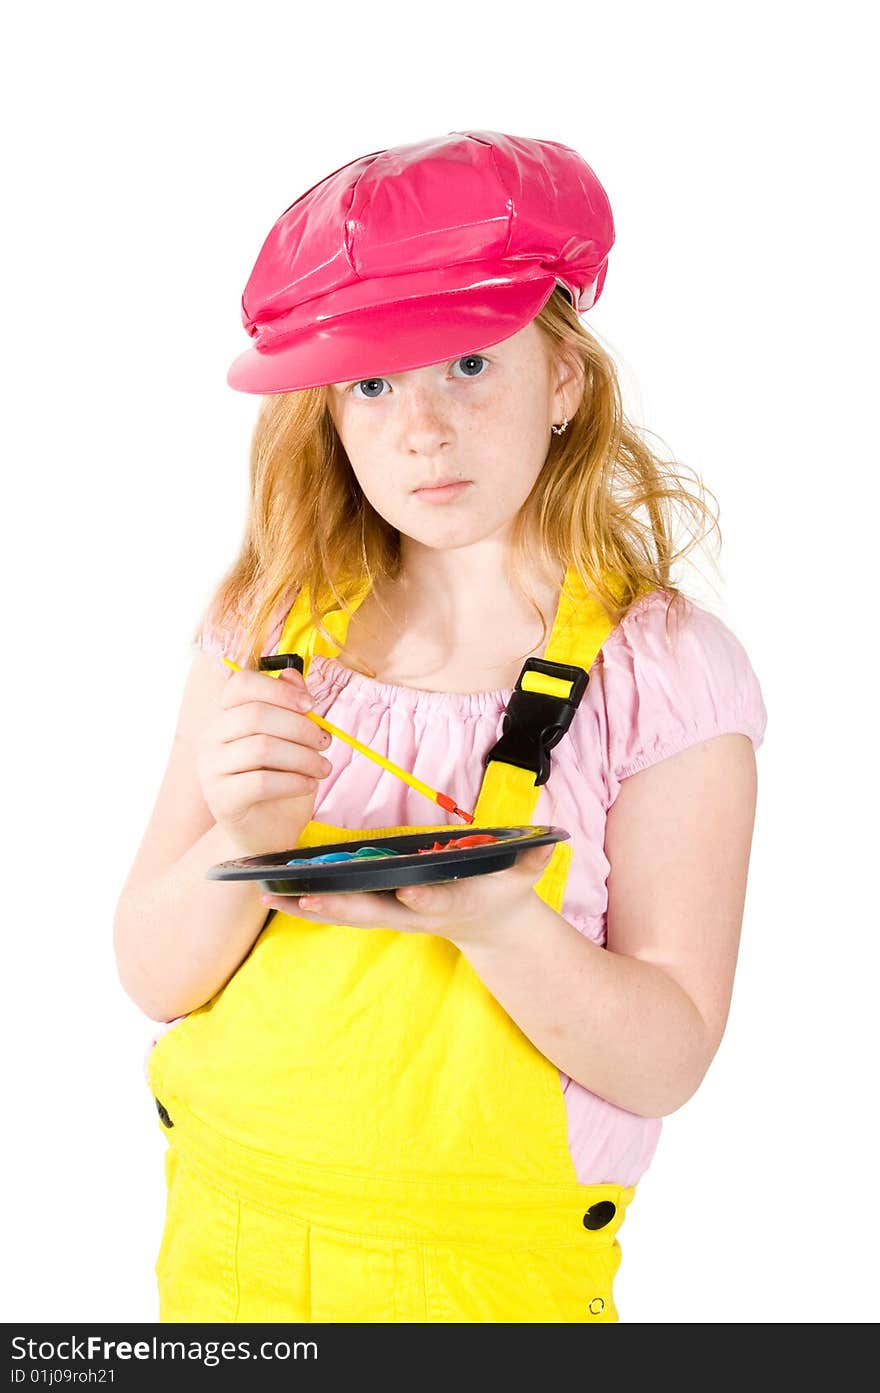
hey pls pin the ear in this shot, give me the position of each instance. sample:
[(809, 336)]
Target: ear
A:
[(569, 377)]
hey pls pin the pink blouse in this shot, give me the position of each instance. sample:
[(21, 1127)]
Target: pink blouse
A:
[(647, 699)]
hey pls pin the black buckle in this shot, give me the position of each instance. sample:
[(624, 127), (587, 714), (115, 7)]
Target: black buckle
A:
[(277, 661), (535, 721)]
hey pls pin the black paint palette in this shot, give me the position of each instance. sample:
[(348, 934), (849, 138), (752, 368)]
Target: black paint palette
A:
[(417, 858)]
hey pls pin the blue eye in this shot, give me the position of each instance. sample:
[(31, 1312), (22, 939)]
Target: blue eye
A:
[(373, 382), (369, 382), (473, 358)]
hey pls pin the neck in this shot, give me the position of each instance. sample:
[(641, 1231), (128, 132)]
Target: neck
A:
[(462, 585)]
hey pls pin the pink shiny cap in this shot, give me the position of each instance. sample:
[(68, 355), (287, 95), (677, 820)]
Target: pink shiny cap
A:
[(426, 251)]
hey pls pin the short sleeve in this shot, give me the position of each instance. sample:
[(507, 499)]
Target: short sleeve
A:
[(217, 641), (664, 693), (225, 641)]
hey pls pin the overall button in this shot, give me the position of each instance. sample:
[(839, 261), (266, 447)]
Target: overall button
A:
[(598, 1215), (166, 1120)]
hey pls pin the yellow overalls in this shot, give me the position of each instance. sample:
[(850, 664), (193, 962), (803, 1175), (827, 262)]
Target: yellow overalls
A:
[(359, 1132)]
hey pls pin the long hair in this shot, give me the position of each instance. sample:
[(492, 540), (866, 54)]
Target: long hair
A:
[(603, 503)]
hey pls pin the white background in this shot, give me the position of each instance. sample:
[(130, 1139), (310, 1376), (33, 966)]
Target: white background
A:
[(148, 152)]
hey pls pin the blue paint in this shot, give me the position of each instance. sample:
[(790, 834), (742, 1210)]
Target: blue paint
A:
[(364, 853)]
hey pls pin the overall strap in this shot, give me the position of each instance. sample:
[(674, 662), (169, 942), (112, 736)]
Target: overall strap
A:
[(299, 634), (542, 707)]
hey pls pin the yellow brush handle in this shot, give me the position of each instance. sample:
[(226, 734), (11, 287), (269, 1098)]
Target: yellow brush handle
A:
[(363, 749), (371, 754)]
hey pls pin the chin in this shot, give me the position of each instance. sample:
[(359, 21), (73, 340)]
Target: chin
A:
[(451, 537)]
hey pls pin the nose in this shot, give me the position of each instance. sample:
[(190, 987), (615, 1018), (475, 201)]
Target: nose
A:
[(423, 408), (424, 421)]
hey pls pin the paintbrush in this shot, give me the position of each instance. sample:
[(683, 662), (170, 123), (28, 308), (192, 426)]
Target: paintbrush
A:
[(443, 799)]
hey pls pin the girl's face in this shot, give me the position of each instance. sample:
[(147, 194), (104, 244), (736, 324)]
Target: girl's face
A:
[(482, 420)]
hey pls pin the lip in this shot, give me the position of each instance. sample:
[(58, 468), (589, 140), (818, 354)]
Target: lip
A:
[(442, 488)]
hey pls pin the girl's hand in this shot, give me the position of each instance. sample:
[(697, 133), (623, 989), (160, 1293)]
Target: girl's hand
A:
[(260, 760), (460, 910)]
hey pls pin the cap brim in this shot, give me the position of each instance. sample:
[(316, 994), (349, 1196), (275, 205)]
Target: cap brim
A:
[(393, 338)]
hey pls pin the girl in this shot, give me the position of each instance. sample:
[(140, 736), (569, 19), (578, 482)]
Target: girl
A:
[(435, 1104)]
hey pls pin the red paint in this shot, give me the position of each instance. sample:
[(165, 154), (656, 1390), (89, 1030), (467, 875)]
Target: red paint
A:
[(476, 839)]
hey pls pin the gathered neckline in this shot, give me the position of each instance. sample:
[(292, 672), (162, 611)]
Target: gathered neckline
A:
[(331, 673)]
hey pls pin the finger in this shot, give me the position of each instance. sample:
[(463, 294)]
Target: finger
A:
[(367, 910), (287, 690), (449, 897), (288, 904), (535, 860), (262, 719), (362, 910), (268, 753)]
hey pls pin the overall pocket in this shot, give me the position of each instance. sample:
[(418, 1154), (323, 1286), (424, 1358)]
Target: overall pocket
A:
[(562, 1283)]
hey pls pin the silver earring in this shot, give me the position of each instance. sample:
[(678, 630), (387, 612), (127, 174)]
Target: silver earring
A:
[(557, 430)]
